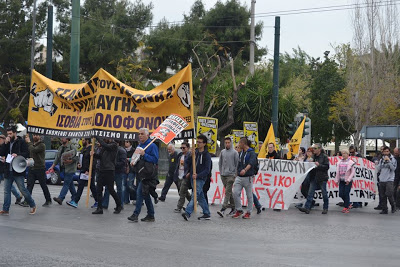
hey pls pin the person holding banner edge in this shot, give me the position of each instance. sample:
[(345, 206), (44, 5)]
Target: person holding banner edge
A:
[(344, 178), (319, 177), (203, 167)]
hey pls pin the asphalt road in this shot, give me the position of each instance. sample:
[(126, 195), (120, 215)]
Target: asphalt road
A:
[(64, 236)]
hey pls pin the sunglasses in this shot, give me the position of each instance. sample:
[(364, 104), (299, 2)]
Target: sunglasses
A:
[(183, 147)]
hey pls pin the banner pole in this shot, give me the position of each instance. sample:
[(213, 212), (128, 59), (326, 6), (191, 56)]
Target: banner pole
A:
[(90, 174), (194, 180), (152, 141)]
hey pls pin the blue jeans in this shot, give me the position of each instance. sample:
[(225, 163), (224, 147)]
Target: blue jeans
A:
[(68, 185), (130, 187), (139, 202), (344, 192), (119, 181), (256, 202), (19, 180), (14, 190), (200, 199), (311, 191)]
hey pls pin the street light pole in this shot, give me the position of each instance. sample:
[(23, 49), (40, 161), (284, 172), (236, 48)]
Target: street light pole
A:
[(33, 37)]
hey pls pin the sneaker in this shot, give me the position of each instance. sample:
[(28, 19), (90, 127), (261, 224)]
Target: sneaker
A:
[(18, 200), (162, 199), (24, 204), (98, 211), (94, 206), (383, 212), (246, 215), (148, 218), (185, 216), (177, 210), (205, 217), (278, 210), (306, 211), (47, 203), (58, 200), (221, 213), (258, 210), (33, 211), (237, 214), (133, 218), (325, 212), (72, 204), (345, 210), (155, 200), (231, 213), (350, 206), (378, 208), (5, 213), (118, 209)]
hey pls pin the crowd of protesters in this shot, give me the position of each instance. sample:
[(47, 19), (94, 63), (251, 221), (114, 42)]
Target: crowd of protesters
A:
[(134, 171)]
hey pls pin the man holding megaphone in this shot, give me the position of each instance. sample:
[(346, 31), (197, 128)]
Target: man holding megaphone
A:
[(14, 146)]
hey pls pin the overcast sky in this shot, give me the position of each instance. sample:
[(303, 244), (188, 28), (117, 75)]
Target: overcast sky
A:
[(313, 32)]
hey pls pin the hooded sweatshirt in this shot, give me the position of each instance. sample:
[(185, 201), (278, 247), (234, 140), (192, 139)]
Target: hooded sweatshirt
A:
[(246, 158), (386, 169), (228, 162), (203, 164)]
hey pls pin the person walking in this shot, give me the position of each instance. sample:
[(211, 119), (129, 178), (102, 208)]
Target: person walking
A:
[(386, 167), (68, 160), (171, 178), (183, 177), (83, 177), (14, 146), (107, 157), (37, 151), (228, 162), (318, 177), (344, 178), (203, 168), (246, 171), (146, 173)]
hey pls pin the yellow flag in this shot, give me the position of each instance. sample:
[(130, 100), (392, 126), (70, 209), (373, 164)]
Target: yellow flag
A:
[(294, 144), (270, 138)]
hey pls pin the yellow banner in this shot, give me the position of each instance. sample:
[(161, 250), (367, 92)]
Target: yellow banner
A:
[(237, 134), (270, 138), (208, 127), (251, 132), (294, 144), (105, 107)]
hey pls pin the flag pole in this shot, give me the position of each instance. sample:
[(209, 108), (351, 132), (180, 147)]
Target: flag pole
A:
[(90, 174)]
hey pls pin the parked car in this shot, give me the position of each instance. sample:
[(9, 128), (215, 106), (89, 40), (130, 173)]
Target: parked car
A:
[(56, 177)]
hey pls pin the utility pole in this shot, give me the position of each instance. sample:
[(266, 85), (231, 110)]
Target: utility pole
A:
[(49, 52), (252, 36), (75, 42), (33, 37), (275, 87)]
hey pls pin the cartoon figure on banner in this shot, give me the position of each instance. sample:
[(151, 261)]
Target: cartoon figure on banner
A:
[(43, 99), (209, 134), (253, 138), (164, 131), (184, 94)]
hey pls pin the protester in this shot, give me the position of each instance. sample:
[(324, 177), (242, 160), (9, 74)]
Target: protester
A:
[(376, 160), (68, 160), (203, 168), (272, 154), (305, 186), (353, 152), (14, 190), (207, 184), (260, 144), (146, 175), (246, 171), (183, 178), (302, 154), (37, 151), (121, 166), (319, 177), (228, 162), (386, 167), (129, 183), (172, 163), (107, 157), (396, 186), (344, 177), (84, 174), (14, 146)]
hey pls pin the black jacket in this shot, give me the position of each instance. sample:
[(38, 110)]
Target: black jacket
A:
[(397, 171), (86, 160), (172, 163), (273, 155), (20, 148), (246, 158), (203, 164), (320, 173), (2, 164), (107, 155), (120, 165)]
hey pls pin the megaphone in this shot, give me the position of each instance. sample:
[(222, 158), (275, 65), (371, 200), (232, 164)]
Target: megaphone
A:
[(19, 164)]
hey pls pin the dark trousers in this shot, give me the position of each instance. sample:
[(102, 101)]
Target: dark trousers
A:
[(344, 192), (168, 182), (106, 178), (81, 186), (206, 187), (40, 175), (396, 193), (385, 194)]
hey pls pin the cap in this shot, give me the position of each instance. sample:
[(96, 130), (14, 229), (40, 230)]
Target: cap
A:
[(2, 136)]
